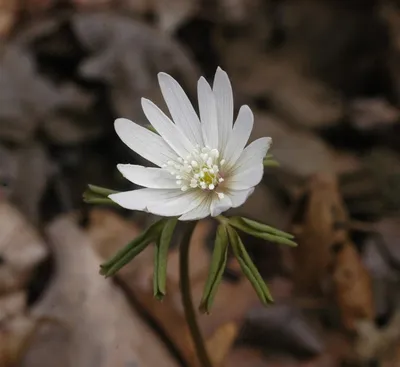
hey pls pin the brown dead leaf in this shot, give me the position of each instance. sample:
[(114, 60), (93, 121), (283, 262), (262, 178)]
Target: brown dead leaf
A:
[(13, 336), (352, 286), (299, 152), (25, 97), (95, 325), (21, 249), (316, 214), (325, 254), (8, 16), (34, 171), (373, 113), (381, 344), (219, 328), (12, 304), (172, 13), (248, 357), (126, 55), (282, 329)]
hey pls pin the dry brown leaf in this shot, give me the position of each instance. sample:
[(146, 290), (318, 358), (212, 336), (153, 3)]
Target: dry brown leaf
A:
[(325, 254), (316, 214), (219, 328), (248, 357), (172, 13), (21, 249), (11, 305), (381, 344), (34, 171), (95, 325), (13, 336), (283, 328), (373, 113), (25, 97), (8, 16), (299, 152), (126, 54), (352, 286)]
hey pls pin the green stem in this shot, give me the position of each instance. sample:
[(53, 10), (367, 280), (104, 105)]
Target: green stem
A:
[(187, 301)]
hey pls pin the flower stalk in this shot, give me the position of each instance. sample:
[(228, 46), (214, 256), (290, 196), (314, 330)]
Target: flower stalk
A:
[(187, 301)]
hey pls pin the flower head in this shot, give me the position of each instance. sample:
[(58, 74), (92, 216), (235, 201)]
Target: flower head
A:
[(204, 166)]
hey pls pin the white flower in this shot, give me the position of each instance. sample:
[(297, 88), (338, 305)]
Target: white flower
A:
[(203, 165)]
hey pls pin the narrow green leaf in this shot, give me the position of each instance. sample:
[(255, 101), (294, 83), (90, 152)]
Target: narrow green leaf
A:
[(130, 250), (118, 265), (262, 227), (161, 258), (250, 276), (270, 163), (248, 267), (102, 191), (99, 201), (276, 236), (217, 267)]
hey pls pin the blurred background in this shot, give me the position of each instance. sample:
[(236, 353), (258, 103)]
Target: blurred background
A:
[(323, 80)]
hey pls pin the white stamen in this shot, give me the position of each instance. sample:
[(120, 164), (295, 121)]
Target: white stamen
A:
[(220, 195), (200, 170)]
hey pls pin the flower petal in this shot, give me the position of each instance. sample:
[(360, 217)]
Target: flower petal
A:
[(199, 212), (141, 198), (181, 109), (239, 136), (144, 142), (156, 178), (167, 129), (179, 205), (247, 178), (224, 98), (252, 155), (208, 113), (167, 202), (220, 205), (238, 197)]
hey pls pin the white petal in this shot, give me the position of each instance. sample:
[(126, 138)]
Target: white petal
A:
[(167, 129), (238, 197), (245, 179), (208, 113), (199, 212), (181, 109), (220, 205), (141, 198), (239, 136), (224, 97), (156, 201), (186, 201), (252, 155), (144, 142), (156, 178)]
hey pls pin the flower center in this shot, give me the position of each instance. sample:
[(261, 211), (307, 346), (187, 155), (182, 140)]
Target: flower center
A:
[(200, 169)]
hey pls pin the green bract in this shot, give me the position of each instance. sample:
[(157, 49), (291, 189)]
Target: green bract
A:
[(218, 264), (161, 258), (263, 231)]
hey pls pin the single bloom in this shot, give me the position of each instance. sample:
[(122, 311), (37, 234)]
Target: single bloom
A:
[(203, 164)]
